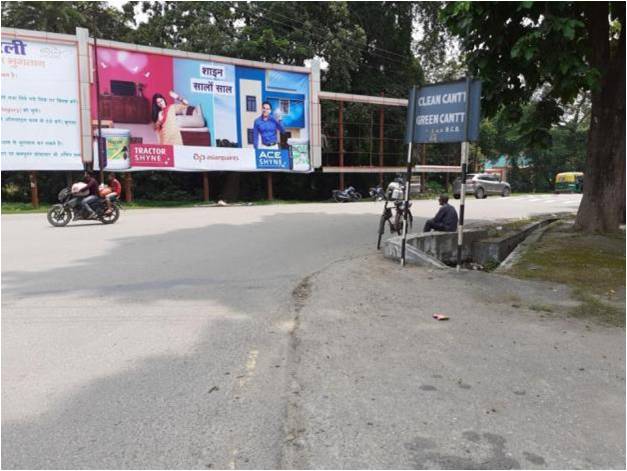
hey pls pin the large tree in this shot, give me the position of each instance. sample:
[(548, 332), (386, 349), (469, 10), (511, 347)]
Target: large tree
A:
[(553, 52)]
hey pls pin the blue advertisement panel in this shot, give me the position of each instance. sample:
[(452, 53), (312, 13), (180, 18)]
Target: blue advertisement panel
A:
[(439, 113), (268, 159)]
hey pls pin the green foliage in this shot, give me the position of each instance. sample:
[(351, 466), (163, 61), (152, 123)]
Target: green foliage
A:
[(436, 46), (537, 58), (369, 49), (559, 148), (65, 17), (519, 48)]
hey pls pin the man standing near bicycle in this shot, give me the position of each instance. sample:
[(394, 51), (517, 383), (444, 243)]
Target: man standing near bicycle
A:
[(446, 218)]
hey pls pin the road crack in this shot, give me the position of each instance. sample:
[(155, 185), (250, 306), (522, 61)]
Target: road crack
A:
[(292, 455)]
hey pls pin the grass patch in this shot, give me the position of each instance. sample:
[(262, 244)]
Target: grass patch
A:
[(593, 307), (277, 201), (593, 264), (491, 265), (25, 208), (20, 208), (148, 204)]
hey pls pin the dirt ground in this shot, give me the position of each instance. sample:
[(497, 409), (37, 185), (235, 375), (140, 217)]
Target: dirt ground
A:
[(510, 381)]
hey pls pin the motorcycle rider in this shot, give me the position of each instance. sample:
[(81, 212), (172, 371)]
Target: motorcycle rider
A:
[(92, 186), (116, 191)]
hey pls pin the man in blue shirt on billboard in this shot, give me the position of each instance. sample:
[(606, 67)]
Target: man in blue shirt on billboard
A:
[(266, 126)]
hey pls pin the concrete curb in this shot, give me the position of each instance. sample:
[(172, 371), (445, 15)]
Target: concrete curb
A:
[(497, 249), (414, 256), (518, 252)]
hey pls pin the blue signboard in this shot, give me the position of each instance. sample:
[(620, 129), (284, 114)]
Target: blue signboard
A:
[(437, 112), (273, 159)]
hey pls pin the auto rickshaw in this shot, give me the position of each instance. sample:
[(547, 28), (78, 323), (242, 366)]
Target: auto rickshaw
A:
[(569, 182)]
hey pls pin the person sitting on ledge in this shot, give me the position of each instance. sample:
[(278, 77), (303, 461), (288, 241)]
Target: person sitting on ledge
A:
[(446, 218)]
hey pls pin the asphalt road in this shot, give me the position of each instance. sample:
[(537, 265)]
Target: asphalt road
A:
[(164, 341)]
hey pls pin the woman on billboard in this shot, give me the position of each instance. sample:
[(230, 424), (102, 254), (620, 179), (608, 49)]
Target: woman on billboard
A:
[(164, 118), (266, 126)]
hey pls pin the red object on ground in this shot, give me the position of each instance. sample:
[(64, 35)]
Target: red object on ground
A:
[(440, 317)]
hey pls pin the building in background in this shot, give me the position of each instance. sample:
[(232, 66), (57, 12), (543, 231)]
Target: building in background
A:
[(503, 165)]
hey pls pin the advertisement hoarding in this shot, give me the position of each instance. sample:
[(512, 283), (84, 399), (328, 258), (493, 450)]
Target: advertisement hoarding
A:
[(40, 108), (168, 113)]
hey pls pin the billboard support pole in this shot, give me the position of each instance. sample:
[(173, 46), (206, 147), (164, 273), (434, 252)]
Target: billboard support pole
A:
[(341, 141), (205, 186), (97, 80), (381, 122), (464, 169), (269, 179), (128, 187), (409, 137), (34, 193)]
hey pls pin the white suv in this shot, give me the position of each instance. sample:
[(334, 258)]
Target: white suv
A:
[(482, 185)]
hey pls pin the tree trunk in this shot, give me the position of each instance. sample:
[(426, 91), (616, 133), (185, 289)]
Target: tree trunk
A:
[(602, 207)]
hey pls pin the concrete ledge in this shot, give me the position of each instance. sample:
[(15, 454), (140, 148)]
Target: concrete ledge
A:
[(392, 249), (496, 249), (443, 245), (515, 255), (439, 249)]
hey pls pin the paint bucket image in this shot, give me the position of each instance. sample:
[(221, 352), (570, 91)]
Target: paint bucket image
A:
[(300, 154), (117, 142)]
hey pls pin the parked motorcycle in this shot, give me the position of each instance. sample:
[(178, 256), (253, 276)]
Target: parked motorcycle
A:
[(377, 193), (347, 195), (70, 208)]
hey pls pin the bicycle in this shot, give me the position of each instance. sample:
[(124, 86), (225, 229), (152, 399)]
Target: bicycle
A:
[(397, 224)]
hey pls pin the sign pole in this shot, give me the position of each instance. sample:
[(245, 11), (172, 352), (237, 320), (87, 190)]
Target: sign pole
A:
[(464, 168), (409, 138), (405, 213)]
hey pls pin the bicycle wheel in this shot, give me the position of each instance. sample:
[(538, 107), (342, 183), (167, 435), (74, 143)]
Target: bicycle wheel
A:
[(398, 223), (382, 220)]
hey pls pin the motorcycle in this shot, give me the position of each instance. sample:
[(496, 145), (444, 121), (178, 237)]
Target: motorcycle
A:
[(377, 193), (349, 194), (71, 209)]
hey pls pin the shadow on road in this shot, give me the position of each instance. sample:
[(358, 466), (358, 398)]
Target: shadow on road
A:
[(175, 411)]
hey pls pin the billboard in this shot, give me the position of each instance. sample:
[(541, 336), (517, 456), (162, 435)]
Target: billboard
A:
[(40, 121), (160, 112), (439, 113)]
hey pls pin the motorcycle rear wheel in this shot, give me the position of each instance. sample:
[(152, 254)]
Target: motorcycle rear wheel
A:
[(113, 217), (58, 216)]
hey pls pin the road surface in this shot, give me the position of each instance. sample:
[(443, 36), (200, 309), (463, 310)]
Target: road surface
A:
[(163, 341)]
